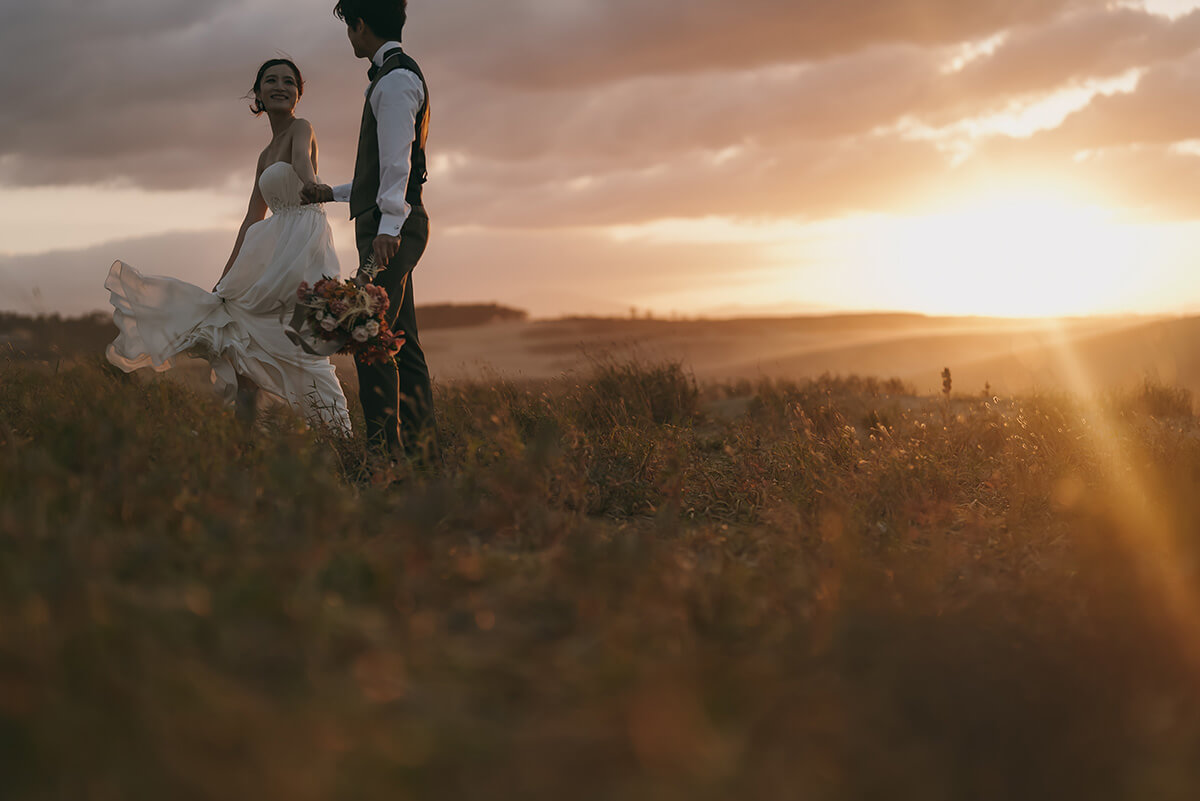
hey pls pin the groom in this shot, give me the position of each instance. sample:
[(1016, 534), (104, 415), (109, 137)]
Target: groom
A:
[(390, 223)]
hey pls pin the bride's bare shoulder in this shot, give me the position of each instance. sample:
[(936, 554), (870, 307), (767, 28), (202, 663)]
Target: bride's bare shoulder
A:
[(302, 127)]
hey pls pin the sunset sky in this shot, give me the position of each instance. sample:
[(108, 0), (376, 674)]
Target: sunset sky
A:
[(1010, 157)]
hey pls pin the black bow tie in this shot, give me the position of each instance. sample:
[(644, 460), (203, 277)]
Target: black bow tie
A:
[(375, 69)]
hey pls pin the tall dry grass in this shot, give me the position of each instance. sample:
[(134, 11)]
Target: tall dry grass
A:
[(623, 586)]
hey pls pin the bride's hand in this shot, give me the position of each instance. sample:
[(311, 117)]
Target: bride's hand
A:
[(316, 193)]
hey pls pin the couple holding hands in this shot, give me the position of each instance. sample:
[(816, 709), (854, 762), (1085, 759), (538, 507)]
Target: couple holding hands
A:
[(239, 326)]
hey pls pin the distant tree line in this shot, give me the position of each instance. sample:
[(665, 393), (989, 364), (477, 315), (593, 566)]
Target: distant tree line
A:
[(50, 335), (454, 315)]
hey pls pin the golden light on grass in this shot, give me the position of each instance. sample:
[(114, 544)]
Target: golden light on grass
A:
[(1138, 507)]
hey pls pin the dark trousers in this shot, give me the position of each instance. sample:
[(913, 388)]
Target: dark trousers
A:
[(396, 396)]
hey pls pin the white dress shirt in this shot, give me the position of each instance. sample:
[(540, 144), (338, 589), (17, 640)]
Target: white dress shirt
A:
[(397, 100)]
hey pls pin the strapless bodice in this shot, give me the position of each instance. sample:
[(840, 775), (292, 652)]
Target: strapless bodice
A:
[(280, 187)]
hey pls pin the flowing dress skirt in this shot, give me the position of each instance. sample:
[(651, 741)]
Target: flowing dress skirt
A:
[(239, 327)]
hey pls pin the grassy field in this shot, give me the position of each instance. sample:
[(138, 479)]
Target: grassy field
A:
[(624, 586)]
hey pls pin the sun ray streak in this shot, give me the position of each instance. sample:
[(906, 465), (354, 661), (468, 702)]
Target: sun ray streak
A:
[(1149, 534)]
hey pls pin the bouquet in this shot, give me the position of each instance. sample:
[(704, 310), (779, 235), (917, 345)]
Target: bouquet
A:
[(334, 316)]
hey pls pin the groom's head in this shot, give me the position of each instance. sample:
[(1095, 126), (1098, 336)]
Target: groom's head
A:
[(370, 23)]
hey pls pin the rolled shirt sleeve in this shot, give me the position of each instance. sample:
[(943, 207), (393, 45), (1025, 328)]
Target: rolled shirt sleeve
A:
[(341, 193), (397, 100)]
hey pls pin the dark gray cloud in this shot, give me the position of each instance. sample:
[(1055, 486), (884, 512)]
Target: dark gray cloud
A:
[(558, 112), (643, 120), (563, 42), (148, 93), (652, 115), (807, 178)]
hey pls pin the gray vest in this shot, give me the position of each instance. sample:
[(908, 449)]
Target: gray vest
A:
[(364, 193)]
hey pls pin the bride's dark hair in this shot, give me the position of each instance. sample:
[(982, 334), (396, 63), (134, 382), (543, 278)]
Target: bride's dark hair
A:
[(257, 107)]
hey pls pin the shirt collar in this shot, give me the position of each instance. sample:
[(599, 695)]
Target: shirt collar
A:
[(377, 59)]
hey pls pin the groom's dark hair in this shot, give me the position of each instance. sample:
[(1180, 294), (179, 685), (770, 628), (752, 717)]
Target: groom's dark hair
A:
[(385, 18)]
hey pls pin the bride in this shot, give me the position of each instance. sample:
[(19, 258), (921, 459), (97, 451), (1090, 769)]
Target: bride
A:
[(238, 327)]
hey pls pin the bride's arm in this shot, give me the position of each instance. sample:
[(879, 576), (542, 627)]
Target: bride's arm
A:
[(255, 212), (304, 151), (304, 162)]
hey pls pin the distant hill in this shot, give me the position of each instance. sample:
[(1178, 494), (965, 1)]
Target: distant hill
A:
[(453, 315), (51, 336), (1081, 355)]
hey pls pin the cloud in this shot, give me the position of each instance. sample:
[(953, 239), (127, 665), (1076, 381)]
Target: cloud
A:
[(1161, 109), (1085, 46), (809, 179), (569, 43), (147, 93), (642, 120), (565, 113), (1135, 150)]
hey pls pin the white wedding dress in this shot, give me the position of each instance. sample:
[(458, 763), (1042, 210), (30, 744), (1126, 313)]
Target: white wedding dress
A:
[(239, 327)]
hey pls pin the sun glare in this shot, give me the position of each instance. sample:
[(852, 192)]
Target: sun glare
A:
[(1012, 253), (1011, 249)]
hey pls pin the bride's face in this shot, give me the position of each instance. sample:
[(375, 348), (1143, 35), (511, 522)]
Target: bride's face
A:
[(279, 90)]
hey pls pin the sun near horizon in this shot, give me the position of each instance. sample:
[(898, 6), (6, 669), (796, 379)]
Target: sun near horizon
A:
[(1020, 251)]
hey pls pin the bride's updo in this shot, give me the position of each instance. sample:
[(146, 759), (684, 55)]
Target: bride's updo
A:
[(257, 107)]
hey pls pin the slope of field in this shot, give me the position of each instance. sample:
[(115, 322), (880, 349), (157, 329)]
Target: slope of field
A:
[(1009, 355), (1084, 356)]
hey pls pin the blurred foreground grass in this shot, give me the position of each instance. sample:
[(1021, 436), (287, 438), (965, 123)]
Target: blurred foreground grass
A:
[(623, 587)]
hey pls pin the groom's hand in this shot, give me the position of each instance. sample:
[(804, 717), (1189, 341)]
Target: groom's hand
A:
[(316, 193), (385, 248)]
